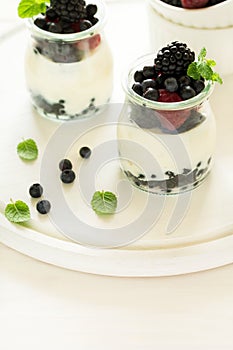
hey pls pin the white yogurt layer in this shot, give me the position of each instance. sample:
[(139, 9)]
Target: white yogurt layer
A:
[(152, 152), (76, 83)]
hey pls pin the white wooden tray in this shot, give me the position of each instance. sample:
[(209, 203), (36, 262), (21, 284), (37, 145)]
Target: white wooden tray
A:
[(202, 240)]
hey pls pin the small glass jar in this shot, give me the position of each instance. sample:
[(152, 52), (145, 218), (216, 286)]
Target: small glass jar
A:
[(69, 76), (165, 148)]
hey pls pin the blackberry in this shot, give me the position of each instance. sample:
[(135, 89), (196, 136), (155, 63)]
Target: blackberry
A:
[(69, 10), (174, 58)]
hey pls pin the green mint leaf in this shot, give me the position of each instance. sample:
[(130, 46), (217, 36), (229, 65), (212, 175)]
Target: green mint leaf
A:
[(27, 150), (30, 8), (104, 202), (205, 71), (216, 77), (211, 63), (203, 68), (193, 71), (17, 212), (202, 54)]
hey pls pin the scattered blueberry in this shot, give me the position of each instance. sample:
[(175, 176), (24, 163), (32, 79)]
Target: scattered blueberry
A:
[(36, 190), (85, 152), (43, 206), (67, 176), (65, 164)]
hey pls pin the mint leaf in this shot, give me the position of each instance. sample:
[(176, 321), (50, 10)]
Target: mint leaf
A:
[(193, 71), (30, 8), (27, 150), (17, 212), (205, 71), (203, 68), (211, 63), (202, 54), (104, 202), (216, 77)]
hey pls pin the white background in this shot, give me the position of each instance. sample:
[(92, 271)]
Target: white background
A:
[(45, 307)]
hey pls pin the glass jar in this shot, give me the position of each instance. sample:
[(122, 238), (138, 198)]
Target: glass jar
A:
[(69, 76), (165, 148)]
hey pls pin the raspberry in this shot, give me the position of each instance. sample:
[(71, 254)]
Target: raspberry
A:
[(166, 96), (171, 120), (193, 4)]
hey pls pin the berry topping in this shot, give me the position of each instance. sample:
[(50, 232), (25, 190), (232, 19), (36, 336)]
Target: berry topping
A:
[(85, 152), (151, 94), (171, 84), (198, 85), (137, 87), (192, 4), (174, 58), (166, 96), (65, 164), (36, 190), (187, 92), (67, 176), (138, 76), (148, 83), (67, 16), (43, 206), (148, 71)]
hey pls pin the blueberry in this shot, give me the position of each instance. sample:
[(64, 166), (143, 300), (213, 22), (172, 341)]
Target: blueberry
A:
[(67, 176), (137, 87), (85, 152), (65, 164), (36, 190), (171, 84), (41, 23), (84, 25), (184, 80), (148, 71), (55, 28), (91, 10), (93, 20), (148, 83), (138, 76), (43, 206), (187, 92), (198, 85), (151, 94)]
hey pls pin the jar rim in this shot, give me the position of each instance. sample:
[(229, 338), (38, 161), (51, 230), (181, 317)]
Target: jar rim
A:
[(127, 82), (101, 12)]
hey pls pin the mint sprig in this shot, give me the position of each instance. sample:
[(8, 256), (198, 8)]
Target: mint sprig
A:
[(104, 202), (30, 8), (27, 150), (202, 68), (17, 212)]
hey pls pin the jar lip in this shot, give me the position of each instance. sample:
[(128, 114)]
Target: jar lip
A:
[(148, 59), (101, 14)]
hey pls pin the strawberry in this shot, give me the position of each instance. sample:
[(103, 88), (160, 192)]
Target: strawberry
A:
[(171, 120), (193, 4)]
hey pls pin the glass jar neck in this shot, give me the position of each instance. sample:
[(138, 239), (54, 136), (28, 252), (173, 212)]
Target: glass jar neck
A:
[(132, 96)]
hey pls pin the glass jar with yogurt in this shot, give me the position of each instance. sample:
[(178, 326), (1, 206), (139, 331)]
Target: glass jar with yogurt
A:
[(69, 76), (165, 147)]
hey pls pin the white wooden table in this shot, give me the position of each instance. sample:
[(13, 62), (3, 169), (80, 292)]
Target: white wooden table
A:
[(46, 307)]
